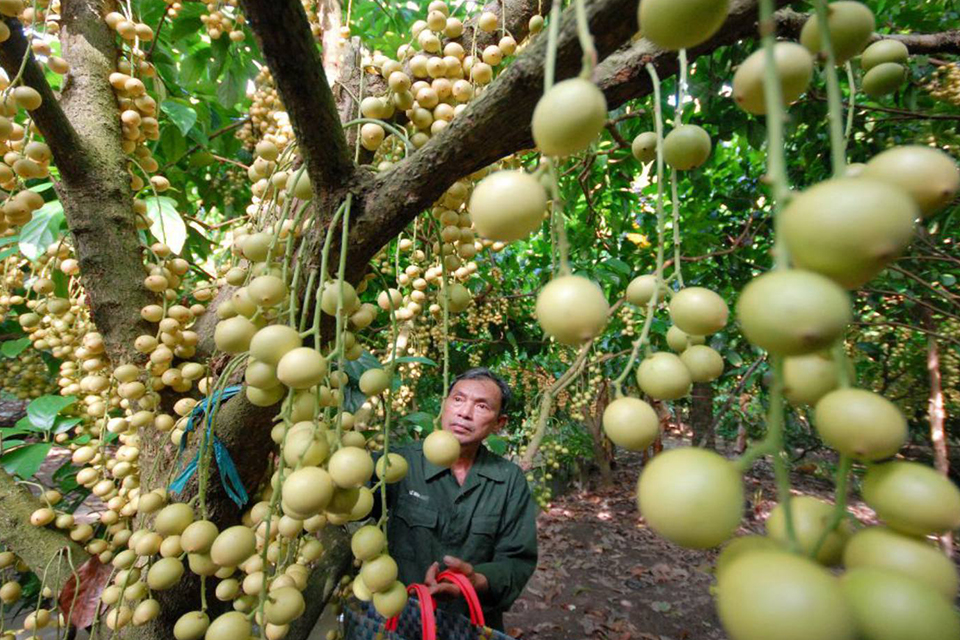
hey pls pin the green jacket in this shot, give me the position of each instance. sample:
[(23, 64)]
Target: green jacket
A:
[(490, 522)]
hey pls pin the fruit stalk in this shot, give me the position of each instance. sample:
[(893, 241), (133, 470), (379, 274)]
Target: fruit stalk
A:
[(586, 40), (838, 146), (852, 84), (553, 32), (840, 503), (341, 274)]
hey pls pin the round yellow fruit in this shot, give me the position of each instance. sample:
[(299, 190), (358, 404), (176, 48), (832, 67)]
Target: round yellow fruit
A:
[(889, 605), (233, 335), (808, 378), (229, 626), (641, 289), (302, 368), (173, 519), (164, 573), (379, 573), (373, 382), (912, 498), (792, 312), (283, 606), (810, 519), (738, 547), (692, 497), (705, 364), (916, 557), (507, 206), (644, 147), (679, 340), (686, 147), (198, 536), (191, 626), (884, 78), (569, 117), (698, 311), (775, 594), (663, 376), (233, 546), (350, 467), (631, 423), (273, 342), (851, 24), (441, 448), (368, 542), (391, 601), (883, 51), (572, 309), (794, 69), (928, 175), (395, 466), (681, 24), (861, 424), (307, 491)]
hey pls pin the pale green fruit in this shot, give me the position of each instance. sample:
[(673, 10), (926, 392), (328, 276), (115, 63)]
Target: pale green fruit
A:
[(808, 378), (884, 78), (698, 311), (256, 246), (260, 374), (301, 447), (198, 536), (916, 557), (681, 24), (264, 397), (374, 382), (889, 605), (379, 573), (508, 205), (391, 601), (912, 498), (704, 363), (794, 68), (233, 335), (350, 467), (368, 542), (568, 117), (283, 606), (267, 290), (631, 423), (644, 147), (233, 546), (145, 612), (738, 547), (191, 626), (300, 186), (641, 289), (441, 448), (848, 229), (360, 590), (302, 368), (397, 469), (307, 491), (679, 340), (692, 497), (851, 24), (810, 519), (775, 594), (883, 51), (860, 424), (929, 175), (663, 376), (164, 573), (792, 312), (686, 147), (330, 298), (273, 342), (460, 297), (572, 309), (173, 519), (232, 625)]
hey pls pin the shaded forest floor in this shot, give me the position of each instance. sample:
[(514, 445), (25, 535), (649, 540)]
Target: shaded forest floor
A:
[(603, 574)]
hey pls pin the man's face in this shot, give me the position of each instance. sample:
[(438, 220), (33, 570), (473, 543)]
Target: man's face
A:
[(472, 410)]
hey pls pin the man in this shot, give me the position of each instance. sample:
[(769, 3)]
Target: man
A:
[(476, 518)]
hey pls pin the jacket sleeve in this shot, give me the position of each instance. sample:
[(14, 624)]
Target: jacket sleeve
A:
[(515, 553)]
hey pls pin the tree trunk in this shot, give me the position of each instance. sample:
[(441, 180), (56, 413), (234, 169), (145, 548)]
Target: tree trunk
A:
[(601, 451), (701, 415), (937, 411)]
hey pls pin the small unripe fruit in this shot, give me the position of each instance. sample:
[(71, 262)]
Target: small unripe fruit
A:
[(568, 117), (631, 423), (686, 147), (508, 206), (572, 309)]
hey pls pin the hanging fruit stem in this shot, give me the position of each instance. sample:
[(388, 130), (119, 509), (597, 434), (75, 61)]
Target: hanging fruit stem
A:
[(838, 145)]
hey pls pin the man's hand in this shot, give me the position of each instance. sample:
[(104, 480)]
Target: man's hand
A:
[(478, 580)]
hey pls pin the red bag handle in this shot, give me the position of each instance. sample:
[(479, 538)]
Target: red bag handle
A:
[(427, 612), (469, 593)]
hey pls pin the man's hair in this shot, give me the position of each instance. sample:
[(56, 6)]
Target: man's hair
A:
[(482, 373)]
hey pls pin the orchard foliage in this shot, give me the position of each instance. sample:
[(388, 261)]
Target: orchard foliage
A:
[(777, 220)]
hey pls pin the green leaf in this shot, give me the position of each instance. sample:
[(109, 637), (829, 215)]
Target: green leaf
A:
[(40, 188), (420, 359), (180, 114), (42, 230), (497, 444), (166, 225), (25, 461), (13, 348), (618, 265), (43, 411), (62, 425), (421, 421)]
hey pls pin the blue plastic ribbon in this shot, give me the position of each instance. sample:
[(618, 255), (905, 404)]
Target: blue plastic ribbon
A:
[(229, 477)]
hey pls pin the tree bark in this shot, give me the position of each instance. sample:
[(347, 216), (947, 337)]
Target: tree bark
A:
[(37, 546), (601, 451), (701, 415), (937, 411)]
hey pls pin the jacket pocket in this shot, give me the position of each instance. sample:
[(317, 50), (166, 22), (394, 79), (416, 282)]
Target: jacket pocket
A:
[(413, 526), (482, 539)]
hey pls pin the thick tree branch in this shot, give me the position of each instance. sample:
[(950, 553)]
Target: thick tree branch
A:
[(35, 545), (83, 132), (290, 50), (789, 23)]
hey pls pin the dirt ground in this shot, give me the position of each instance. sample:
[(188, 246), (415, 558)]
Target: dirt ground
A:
[(603, 574)]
